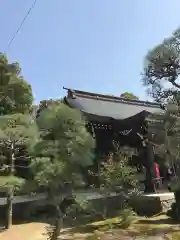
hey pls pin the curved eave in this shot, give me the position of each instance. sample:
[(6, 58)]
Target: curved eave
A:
[(110, 109)]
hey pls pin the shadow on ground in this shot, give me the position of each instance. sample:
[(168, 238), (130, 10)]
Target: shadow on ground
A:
[(159, 226), (163, 221)]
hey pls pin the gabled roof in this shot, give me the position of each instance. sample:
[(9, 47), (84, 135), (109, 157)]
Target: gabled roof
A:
[(109, 106)]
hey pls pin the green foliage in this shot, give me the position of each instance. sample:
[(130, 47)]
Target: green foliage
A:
[(19, 128), (9, 182), (29, 187), (127, 217), (57, 174), (115, 175), (65, 135), (116, 172), (166, 133), (47, 103), (65, 148), (161, 69), (16, 130), (15, 93), (170, 132), (129, 95)]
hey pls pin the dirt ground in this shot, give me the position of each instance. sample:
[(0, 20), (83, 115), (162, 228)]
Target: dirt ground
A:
[(157, 228), (29, 231)]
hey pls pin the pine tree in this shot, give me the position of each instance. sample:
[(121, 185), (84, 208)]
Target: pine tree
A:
[(15, 130), (65, 148)]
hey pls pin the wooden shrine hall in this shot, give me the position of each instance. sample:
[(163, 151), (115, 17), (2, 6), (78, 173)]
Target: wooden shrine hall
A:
[(130, 122)]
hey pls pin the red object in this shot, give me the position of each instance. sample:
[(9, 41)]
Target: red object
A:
[(157, 171)]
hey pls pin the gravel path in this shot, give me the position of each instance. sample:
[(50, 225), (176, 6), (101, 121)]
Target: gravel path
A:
[(36, 231), (31, 231)]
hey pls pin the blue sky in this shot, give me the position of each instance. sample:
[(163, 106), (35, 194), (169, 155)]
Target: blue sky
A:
[(92, 45)]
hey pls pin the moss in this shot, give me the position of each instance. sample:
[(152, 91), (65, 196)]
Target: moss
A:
[(106, 222), (174, 236), (140, 226)]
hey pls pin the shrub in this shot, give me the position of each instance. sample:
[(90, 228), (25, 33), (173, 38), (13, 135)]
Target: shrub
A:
[(127, 215), (174, 212)]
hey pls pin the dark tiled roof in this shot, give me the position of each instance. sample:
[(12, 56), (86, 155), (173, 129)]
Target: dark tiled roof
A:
[(109, 106)]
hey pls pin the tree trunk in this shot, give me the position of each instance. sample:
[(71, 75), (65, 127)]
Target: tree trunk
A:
[(12, 160), (58, 224), (148, 182), (148, 164), (10, 193), (9, 209)]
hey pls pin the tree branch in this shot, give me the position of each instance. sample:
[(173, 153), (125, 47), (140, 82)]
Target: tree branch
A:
[(174, 84)]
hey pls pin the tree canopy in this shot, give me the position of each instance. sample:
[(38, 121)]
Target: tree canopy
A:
[(15, 93), (19, 128), (16, 130), (129, 95), (64, 126), (46, 103), (161, 77), (162, 68), (65, 148)]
